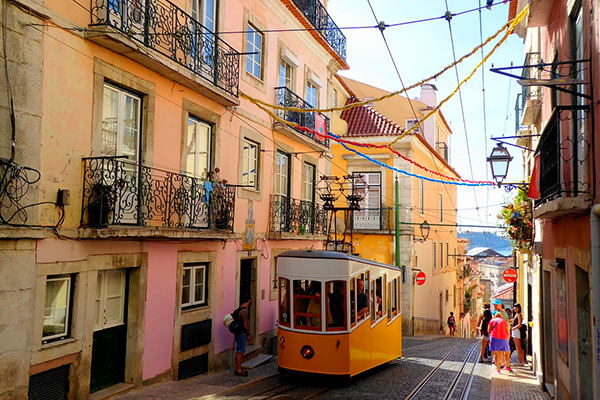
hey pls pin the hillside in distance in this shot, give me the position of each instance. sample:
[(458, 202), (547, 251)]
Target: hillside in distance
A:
[(487, 239)]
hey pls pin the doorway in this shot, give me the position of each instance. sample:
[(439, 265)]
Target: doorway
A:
[(546, 329), (584, 334), (441, 314), (110, 330), (248, 285)]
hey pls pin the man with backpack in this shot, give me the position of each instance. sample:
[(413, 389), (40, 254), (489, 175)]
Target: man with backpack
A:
[(243, 335)]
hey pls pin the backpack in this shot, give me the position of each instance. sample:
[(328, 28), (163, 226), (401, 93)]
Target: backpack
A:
[(233, 323)]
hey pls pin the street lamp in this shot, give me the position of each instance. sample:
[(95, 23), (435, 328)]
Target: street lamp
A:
[(425, 228), (499, 160)]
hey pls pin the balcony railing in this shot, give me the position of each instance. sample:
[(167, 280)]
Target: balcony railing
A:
[(379, 219), (442, 150), (531, 92), (319, 17), (299, 217), (286, 98), (117, 191), (167, 29), (562, 160)]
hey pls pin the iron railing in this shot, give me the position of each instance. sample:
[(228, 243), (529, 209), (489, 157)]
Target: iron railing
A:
[(319, 17), (297, 216), (284, 97), (562, 159), (442, 150), (117, 191), (167, 29), (380, 219)]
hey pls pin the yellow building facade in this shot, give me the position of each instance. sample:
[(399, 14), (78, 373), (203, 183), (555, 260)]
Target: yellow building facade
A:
[(423, 156)]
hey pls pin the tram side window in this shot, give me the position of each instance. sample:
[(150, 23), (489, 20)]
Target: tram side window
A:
[(362, 296), (389, 300), (376, 299), (336, 305), (394, 297), (352, 303), (284, 302)]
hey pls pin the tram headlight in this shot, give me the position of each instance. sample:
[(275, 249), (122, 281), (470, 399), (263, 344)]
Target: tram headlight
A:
[(307, 352), (281, 339)]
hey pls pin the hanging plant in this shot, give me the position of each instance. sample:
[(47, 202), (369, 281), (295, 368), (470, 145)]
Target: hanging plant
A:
[(518, 221)]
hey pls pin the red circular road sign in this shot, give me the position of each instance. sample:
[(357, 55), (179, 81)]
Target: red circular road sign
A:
[(510, 275), (421, 278)]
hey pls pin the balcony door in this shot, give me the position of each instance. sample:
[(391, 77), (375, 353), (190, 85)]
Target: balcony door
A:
[(197, 165), (308, 197), (203, 39), (281, 191), (369, 216), (121, 123)]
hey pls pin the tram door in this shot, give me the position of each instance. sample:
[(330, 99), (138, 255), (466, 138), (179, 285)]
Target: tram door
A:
[(248, 285)]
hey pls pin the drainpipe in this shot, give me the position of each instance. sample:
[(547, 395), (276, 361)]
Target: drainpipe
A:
[(595, 238)]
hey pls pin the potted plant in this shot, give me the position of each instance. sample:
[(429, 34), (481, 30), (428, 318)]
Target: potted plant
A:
[(101, 204), (518, 220)]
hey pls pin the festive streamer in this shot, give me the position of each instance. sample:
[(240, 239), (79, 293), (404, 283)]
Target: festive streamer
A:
[(509, 26)]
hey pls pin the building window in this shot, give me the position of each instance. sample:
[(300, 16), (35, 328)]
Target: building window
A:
[(447, 255), (198, 148), (286, 75), (282, 174), (412, 122), (311, 94), (335, 98), (440, 206), (194, 285), (121, 121), (57, 308), (421, 197), (447, 296), (254, 47), (308, 182), (434, 255), (250, 164), (441, 255)]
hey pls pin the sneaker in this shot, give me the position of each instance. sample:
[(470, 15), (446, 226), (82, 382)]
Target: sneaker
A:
[(498, 370), (481, 361), (507, 369)]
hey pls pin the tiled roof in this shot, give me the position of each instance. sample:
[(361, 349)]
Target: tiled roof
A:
[(364, 121)]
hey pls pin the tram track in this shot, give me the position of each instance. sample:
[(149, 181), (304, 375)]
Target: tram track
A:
[(426, 386)]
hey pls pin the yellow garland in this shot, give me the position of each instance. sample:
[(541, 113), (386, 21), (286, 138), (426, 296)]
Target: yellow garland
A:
[(510, 26)]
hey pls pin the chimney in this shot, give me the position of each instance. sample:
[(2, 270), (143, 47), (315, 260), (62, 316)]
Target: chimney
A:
[(428, 95)]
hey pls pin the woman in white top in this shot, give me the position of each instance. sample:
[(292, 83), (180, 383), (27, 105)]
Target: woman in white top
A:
[(517, 323)]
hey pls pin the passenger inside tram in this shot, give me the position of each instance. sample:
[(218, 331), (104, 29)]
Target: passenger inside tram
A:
[(362, 300), (314, 307), (336, 297)]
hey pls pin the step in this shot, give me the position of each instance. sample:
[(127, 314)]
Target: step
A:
[(251, 352), (256, 361)]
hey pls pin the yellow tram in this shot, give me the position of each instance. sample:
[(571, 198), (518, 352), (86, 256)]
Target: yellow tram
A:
[(338, 314)]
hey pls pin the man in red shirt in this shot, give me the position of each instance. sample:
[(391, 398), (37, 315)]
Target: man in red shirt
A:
[(499, 337)]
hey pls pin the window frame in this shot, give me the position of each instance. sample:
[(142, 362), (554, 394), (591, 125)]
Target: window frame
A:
[(312, 93), (308, 181), (209, 154), (286, 80), (434, 256), (254, 60), (330, 285), (247, 160), (193, 268), (282, 174), (122, 95), (441, 201), (70, 279), (284, 283)]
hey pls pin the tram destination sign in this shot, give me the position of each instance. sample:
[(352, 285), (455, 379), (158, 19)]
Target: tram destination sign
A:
[(510, 275), (421, 278)]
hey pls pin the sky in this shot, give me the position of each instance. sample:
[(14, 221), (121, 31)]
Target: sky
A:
[(423, 49)]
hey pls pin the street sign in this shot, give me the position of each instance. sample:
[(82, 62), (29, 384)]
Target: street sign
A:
[(421, 278), (510, 275)]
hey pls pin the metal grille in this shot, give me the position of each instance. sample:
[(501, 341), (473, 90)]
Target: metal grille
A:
[(116, 191), (50, 385), (297, 216), (286, 98), (167, 29), (193, 367), (196, 334)]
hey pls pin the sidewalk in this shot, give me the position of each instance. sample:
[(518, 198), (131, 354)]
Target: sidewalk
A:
[(520, 384)]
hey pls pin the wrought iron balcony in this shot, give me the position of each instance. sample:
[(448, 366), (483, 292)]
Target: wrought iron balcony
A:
[(377, 219), (442, 150), (286, 98), (562, 160), (117, 191), (298, 217), (167, 29), (531, 96), (319, 17)]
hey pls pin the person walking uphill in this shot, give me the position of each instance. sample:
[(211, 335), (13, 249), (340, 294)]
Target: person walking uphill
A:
[(499, 336), (451, 323), (242, 338)]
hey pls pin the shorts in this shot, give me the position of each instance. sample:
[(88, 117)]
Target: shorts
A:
[(499, 344), (240, 342), (485, 338), (516, 334)]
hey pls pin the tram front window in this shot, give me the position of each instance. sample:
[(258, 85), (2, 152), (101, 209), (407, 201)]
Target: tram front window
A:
[(362, 296), (307, 305), (284, 303), (336, 305)]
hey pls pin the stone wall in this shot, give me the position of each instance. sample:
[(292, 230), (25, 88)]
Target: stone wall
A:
[(427, 326)]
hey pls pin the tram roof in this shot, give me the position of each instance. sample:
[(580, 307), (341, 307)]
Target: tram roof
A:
[(335, 255)]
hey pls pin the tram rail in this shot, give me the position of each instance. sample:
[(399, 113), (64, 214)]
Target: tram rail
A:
[(423, 385)]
